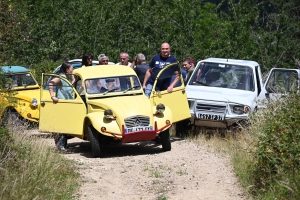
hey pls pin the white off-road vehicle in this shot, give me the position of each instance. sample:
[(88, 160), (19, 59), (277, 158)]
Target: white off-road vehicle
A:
[(222, 92)]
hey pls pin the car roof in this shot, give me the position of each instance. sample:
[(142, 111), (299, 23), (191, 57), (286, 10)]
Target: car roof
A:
[(13, 69), (104, 71), (231, 61), (77, 63)]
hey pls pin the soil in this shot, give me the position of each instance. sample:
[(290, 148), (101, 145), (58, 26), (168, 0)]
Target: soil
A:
[(143, 171)]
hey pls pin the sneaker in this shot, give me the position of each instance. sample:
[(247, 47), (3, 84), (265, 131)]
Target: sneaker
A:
[(62, 148)]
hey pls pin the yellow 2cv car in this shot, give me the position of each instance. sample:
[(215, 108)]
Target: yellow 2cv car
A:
[(20, 94), (109, 106)]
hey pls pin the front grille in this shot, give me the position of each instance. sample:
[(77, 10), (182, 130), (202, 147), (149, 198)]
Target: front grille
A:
[(136, 121), (210, 108)]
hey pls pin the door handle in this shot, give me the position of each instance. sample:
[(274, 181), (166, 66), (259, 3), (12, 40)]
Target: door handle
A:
[(43, 103)]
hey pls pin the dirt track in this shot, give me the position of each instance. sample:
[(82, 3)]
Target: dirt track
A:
[(144, 171)]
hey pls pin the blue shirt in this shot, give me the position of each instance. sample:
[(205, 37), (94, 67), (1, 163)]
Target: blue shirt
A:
[(157, 63)]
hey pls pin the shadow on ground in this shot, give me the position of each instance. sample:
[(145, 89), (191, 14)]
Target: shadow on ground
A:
[(78, 146)]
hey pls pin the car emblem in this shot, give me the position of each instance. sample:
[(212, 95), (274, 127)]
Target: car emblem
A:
[(137, 122)]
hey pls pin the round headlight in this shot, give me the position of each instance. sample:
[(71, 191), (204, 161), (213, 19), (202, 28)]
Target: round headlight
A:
[(108, 113), (246, 109), (160, 108), (34, 102)]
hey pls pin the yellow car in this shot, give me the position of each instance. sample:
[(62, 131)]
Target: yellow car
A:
[(110, 106), (19, 94)]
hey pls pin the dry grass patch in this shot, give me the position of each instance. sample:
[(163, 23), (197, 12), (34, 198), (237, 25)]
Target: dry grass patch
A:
[(33, 170)]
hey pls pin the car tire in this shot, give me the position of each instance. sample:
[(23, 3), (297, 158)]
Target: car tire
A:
[(165, 140), (94, 138)]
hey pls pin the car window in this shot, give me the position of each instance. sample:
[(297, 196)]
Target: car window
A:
[(112, 84), (224, 76), (18, 80)]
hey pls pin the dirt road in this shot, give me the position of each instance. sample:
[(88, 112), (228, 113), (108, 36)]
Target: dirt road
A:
[(144, 171)]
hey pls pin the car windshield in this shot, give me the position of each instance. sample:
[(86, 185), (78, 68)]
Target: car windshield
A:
[(17, 80), (223, 75), (112, 84)]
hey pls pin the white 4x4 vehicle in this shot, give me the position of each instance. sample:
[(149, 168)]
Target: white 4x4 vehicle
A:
[(222, 92)]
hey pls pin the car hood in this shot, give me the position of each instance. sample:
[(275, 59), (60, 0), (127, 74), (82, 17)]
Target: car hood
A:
[(220, 94), (27, 94), (125, 106)]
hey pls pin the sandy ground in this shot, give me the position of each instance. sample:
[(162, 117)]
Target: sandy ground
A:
[(144, 171)]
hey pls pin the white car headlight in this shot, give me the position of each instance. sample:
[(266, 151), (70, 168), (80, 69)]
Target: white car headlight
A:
[(240, 109)]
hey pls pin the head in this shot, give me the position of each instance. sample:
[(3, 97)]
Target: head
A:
[(165, 50), (192, 60), (187, 64), (124, 58), (103, 59), (66, 68), (99, 85), (87, 59), (140, 58)]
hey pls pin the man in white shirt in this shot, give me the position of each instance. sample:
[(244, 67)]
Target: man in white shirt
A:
[(124, 57)]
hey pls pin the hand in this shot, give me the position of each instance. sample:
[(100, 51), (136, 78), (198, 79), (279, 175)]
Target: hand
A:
[(144, 87), (54, 99), (170, 89)]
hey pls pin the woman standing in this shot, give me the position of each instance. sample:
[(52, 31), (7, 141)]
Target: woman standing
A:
[(63, 91), (87, 59)]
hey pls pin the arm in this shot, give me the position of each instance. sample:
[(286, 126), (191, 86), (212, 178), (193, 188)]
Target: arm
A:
[(51, 84), (176, 79), (133, 63), (147, 76)]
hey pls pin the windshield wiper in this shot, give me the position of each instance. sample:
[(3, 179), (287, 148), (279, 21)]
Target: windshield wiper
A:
[(133, 87), (109, 91), (202, 83)]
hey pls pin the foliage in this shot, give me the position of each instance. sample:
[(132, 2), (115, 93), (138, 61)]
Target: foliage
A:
[(273, 167), (265, 31), (5, 142)]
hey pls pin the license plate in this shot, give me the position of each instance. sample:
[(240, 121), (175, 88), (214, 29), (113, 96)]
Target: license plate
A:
[(136, 129), (210, 117)]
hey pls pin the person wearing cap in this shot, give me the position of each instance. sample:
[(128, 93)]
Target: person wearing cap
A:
[(140, 66), (124, 57), (189, 67), (103, 59)]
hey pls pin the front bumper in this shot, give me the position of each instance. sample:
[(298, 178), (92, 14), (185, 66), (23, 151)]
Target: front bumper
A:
[(139, 135)]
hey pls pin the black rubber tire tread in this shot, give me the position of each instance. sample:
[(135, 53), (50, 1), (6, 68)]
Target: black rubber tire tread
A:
[(165, 140), (94, 138)]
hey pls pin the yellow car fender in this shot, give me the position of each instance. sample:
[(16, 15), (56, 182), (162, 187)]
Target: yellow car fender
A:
[(98, 121), (163, 118)]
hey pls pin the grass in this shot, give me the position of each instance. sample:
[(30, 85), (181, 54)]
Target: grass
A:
[(33, 170)]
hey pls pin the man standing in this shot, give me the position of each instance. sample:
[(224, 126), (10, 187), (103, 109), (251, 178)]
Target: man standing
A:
[(158, 62), (124, 57), (103, 59), (140, 66), (188, 67)]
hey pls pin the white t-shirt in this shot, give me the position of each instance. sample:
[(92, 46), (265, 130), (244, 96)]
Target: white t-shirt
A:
[(129, 64)]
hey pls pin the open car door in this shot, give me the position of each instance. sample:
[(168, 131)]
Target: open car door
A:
[(281, 82), (65, 116), (177, 99)]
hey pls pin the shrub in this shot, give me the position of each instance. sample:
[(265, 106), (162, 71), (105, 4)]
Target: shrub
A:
[(275, 169)]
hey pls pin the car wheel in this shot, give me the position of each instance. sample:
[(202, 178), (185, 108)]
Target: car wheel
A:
[(165, 140), (94, 137), (13, 119)]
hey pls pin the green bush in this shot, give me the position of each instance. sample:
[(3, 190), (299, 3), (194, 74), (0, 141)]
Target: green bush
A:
[(276, 166)]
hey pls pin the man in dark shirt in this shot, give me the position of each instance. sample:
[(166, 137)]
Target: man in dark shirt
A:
[(157, 63), (140, 66)]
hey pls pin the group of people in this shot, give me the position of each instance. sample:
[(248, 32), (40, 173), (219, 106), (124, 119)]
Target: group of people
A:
[(146, 73)]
